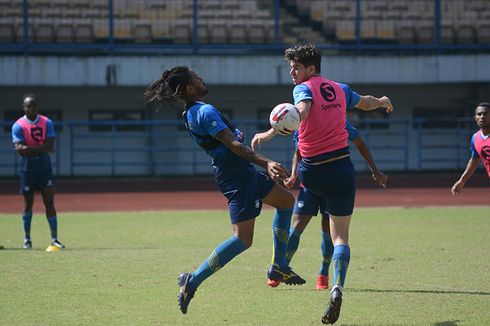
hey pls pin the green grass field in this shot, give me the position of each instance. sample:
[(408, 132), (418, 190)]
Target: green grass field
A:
[(408, 267)]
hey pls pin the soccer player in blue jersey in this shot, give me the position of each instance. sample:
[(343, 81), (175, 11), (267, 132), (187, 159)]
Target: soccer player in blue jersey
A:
[(33, 136), (244, 187), (307, 203)]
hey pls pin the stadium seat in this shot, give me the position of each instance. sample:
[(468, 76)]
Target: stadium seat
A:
[(318, 10), (425, 32), (406, 32), (101, 29), (483, 32), (256, 33), (465, 33), (182, 31), (84, 33), (203, 31), (447, 33), (238, 31), (142, 34), (160, 31), (368, 30), (19, 32), (44, 33), (122, 29), (7, 33), (345, 30), (217, 31), (385, 30), (64, 33)]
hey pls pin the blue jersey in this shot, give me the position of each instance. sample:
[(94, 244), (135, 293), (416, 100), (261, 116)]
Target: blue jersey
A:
[(42, 161), (302, 92), (204, 122)]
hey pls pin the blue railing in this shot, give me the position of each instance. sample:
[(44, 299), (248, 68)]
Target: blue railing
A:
[(164, 147), (275, 44)]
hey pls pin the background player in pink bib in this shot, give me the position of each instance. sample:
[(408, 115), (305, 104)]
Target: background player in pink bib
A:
[(33, 136), (479, 147)]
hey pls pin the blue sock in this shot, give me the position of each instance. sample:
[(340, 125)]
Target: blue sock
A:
[(26, 221), (293, 243), (327, 252), (341, 258), (280, 233), (53, 226), (220, 256)]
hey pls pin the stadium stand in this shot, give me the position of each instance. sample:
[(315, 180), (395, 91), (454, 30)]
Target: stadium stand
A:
[(246, 21)]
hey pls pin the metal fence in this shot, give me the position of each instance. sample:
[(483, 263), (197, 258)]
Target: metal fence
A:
[(161, 147)]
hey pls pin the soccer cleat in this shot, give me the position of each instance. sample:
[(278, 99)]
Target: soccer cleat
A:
[(285, 275), (186, 291), (333, 311), (322, 282), (58, 244), (272, 283), (27, 244)]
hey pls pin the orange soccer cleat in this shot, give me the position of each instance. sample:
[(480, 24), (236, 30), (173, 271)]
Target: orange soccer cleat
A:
[(322, 282)]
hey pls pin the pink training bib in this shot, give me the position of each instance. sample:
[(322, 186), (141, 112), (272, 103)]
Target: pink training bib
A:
[(34, 133), (324, 129), (482, 146)]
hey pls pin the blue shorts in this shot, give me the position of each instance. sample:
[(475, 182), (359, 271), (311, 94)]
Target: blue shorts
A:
[(244, 192), (334, 183), (308, 203), (31, 182)]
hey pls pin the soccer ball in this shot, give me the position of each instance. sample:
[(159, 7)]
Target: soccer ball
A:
[(285, 118)]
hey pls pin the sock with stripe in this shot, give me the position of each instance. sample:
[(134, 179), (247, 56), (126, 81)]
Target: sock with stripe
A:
[(327, 252), (293, 243), (220, 256), (280, 233), (340, 259)]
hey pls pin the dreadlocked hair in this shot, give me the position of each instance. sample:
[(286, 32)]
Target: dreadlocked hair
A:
[(169, 87)]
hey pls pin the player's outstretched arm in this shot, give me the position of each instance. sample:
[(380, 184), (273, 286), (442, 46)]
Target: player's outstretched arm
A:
[(378, 176), (262, 137), (468, 172), (275, 169), (369, 103)]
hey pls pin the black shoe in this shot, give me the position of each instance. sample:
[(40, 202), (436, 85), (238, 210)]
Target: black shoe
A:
[(186, 291), (285, 275), (333, 311), (58, 244), (27, 244)]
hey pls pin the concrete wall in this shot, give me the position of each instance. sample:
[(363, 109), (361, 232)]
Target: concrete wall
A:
[(239, 69)]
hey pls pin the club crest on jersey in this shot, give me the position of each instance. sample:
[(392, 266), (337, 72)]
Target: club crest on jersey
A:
[(37, 133), (301, 204), (485, 152)]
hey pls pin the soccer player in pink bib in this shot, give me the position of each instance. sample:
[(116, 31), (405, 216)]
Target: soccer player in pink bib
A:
[(325, 168), (33, 136), (479, 147)]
